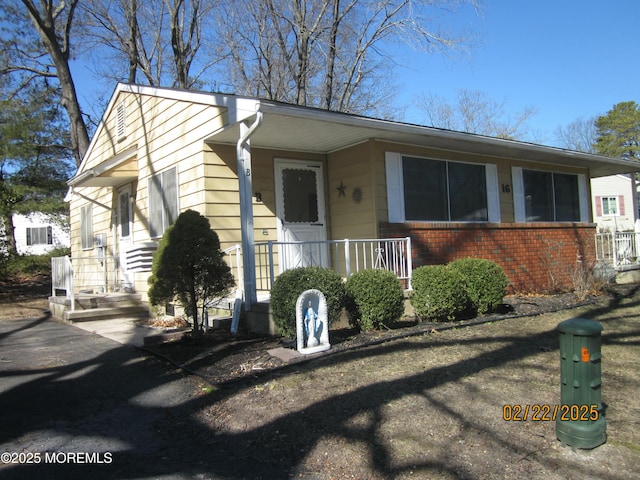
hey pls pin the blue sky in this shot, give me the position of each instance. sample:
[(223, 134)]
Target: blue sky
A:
[(569, 59)]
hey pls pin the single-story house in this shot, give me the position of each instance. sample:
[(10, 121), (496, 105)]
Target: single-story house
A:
[(277, 178), (615, 203), (38, 234)]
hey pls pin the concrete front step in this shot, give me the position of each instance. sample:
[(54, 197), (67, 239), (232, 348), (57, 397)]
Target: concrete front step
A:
[(112, 300), (107, 313)]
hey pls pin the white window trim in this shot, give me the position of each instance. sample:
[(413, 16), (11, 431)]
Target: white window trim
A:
[(617, 199), (177, 198), (38, 231), (518, 195), (395, 190), (395, 187), (86, 227)]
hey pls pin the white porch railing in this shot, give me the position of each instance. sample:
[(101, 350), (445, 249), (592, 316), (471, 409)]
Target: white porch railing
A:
[(98, 274), (233, 257), (62, 278), (344, 256), (620, 249)]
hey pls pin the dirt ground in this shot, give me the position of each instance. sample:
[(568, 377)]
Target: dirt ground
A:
[(417, 401)]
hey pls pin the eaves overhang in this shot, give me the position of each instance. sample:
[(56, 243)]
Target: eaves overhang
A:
[(117, 170), (304, 129)]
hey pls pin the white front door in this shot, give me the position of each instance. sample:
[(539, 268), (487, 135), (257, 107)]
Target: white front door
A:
[(301, 215), (124, 235)]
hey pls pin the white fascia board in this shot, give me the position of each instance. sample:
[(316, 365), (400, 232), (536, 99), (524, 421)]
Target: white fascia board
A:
[(239, 108)]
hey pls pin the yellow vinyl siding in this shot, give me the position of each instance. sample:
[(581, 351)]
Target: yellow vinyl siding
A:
[(168, 133), (352, 169), (89, 272)]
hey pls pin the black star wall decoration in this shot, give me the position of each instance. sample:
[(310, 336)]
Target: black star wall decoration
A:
[(342, 190)]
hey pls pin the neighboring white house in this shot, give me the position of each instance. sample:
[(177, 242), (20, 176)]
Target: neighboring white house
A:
[(615, 202), (37, 234)]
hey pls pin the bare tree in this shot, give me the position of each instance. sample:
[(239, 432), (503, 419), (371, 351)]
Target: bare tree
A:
[(47, 56), (115, 25), (332, 54), (474, 112), (161, 39), (579, 135)]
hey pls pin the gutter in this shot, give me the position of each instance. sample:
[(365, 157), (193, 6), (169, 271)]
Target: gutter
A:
[(245, 183)]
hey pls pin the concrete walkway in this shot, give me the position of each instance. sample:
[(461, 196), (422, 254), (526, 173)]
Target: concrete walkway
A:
[(126, 331)]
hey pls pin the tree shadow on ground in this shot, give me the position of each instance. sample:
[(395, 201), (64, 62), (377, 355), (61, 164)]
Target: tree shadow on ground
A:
[(78, 393)]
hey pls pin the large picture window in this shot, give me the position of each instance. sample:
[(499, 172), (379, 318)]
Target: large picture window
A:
[(86, 226), (549, 196), (421, 189), (163, 201)]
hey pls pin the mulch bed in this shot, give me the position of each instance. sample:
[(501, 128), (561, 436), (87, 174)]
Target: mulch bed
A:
[(222, 357)]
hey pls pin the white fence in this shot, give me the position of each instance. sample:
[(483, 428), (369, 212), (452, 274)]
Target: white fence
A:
[(62, 277), (620, 249), (344, 256)]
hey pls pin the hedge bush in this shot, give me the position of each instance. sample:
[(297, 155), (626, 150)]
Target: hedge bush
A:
[(374, 298), (485, 281), (291, 283), (439, 292)]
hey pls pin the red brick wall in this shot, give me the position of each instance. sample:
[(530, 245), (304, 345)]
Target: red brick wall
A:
[(537, 257)]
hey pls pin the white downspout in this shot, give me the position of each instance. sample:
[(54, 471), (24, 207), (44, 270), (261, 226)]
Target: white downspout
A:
[(245, 184)]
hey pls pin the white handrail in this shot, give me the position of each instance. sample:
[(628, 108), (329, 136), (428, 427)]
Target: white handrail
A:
[(621, 249), (346, 256), (62, 278)]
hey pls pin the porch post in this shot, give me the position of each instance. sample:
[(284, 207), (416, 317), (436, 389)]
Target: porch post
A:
[(245, 187)]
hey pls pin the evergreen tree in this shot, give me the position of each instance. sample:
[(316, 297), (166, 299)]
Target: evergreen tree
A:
[(618, 132), (35, 160), (188, 265)]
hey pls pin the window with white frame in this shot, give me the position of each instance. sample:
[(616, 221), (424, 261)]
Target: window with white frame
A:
[(610, 206), (163, 201), (86, 226), (424, 189), (39, 236), (543, 196)]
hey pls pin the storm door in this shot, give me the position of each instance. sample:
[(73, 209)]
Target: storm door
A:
[(301, 214), (125, 225)]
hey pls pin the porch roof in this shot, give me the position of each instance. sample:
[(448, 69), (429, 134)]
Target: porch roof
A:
[(117, 170), (304, 129)]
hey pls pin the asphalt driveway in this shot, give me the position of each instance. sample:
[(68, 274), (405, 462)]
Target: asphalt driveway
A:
[(77, 405)]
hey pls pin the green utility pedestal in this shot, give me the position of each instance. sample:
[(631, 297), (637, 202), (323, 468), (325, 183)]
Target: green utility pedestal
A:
[(580, 419)]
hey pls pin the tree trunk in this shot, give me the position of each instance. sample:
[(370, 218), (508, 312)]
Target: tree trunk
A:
[(57, 45), (132, 52), (331, 61), (10, 236)]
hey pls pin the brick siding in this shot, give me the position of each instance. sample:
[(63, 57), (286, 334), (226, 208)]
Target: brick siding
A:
[(537, 257)]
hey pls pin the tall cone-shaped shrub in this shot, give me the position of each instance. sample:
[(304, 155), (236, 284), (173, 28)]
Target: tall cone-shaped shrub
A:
[(189, 266)]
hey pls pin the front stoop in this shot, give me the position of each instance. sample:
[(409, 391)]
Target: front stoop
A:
[(92, 307)]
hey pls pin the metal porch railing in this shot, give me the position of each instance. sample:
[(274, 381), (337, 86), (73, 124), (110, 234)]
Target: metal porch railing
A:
[(344, 256), (98, 274), (62, 278), (619, 249)]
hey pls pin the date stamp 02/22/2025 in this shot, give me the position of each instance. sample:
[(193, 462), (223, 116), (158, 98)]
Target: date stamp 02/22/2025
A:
[(550, 413)]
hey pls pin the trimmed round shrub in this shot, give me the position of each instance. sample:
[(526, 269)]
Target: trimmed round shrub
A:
[(485, 281), (374, 298), (291, 283), (439, 293)]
